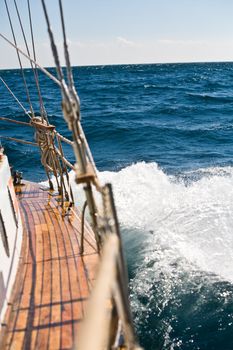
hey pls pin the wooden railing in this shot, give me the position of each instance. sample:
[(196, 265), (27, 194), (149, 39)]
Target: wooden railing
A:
[(108, 324)]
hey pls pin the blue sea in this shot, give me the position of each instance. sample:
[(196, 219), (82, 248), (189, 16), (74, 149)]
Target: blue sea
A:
[(163, 135)]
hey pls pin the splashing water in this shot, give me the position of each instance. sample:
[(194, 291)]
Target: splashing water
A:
[(192, 221), (186, 251)]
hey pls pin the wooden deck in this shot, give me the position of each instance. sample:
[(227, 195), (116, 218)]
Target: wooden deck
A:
[(53, 281)]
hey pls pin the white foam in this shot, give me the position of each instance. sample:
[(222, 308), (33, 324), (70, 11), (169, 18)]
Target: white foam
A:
[(194, 222)]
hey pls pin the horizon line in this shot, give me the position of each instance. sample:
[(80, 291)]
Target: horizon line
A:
[(125, 64)]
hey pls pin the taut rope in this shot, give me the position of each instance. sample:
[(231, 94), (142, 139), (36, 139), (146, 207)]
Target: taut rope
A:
[(19, 140), (16, 99), (42, 109), (19, 59), (15, 121), (45, 71)]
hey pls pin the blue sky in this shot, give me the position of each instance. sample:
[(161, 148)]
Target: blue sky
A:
[(129, 31)]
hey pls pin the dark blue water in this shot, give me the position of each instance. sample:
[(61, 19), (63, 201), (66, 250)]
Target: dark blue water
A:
[(163, 134)]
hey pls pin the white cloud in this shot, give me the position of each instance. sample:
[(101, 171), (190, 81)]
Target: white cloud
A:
[(181, 42), (125, 42)]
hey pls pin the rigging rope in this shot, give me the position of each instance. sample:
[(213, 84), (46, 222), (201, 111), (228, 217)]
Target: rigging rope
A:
[(64, 163), (60, 154), (71, 106), (11, 92), (52, 157), (71, 110), (19, 59), (19, 140), (66, 54), (42, 109), (15, 121), (64, 139), (34, 56), (71, 81), (45, 71), (31, 30), (54, 48)]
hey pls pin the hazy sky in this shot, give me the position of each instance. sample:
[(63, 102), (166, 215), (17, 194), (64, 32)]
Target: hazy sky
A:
[(128, 31)]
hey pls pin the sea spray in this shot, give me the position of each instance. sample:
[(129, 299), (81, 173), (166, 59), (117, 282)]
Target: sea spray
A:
[(186, 251), (181, 226), (194, 220)]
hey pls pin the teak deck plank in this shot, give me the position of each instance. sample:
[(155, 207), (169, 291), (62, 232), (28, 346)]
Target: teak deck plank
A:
[(53, 281)]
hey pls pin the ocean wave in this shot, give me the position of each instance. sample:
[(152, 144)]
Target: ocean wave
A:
[(212, 96), (194, 220), (183, 234), (179, 240)]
